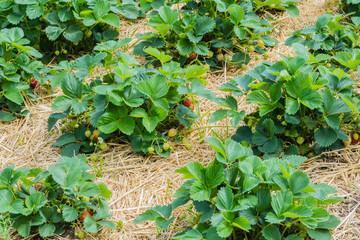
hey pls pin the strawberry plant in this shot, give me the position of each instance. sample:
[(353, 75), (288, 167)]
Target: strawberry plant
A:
[(67, 26), (328, 36), (301, 106), (53, 201), (128, 101), (352, 7), (204, 30), (239, 196), (19, 70)]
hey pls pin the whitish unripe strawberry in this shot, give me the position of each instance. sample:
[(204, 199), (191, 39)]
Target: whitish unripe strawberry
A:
[(166, 146), (103, 146), (172, 132), (347, 143)]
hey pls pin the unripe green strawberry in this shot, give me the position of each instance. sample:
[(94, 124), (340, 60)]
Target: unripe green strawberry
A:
[(94, 157), (87, 133), (88, 34), (77, 125), (103, 146), (251, 49), (172, 132), (166, 146), (300, 140), (347, 143), (266, 55), (328, 65), (81, 235), (57, 53), (151, 150), (210, 54), (64, 51), (257, 57), (182, 216), (62, 128), (188, 146)]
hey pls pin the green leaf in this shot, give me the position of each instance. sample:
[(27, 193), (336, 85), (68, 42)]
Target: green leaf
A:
[(161, 56), (72, 87), (69, 214), (14, 95), (101, 8), (36, 201), (323, 21), (148, 215), (319, 234), (298, 181), (65, 139), (237, 15), (156, 88), (73, 33), (242, 223), (46, 230), (291, 106), (111, 121), (107, 224), (325, 136), (34, 11), (112, 20), (224, 199), (90, 225), (271, 233), (293, 10), (224, 229), (281, 201), (184, 46), (201, 48)]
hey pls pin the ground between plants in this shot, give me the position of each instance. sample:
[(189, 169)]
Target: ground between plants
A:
[(140, 182)]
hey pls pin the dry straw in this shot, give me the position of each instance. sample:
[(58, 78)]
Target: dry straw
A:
[(140, 182)]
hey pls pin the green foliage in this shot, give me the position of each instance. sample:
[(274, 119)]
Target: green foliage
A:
[(240, 196), (129, 101), (49, 201), (66, 26), (301, 105), (329, 36), (352, 7), (200, 30), (18, 68)]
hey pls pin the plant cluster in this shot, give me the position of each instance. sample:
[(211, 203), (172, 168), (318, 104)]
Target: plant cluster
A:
[(352, 7), (19, 72), (129, 101), (302, 106), (50, 202), (239, 196), (203, 31), (329, 36), (66, 26)]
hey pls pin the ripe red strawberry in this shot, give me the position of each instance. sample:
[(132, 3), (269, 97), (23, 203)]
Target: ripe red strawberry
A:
[(33, 83), (354, 137), (193, 107), (220, 57), (187, 103), (85, 213), (192, 56)]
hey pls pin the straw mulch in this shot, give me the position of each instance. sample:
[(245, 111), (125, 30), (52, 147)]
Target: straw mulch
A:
[(139, 182)]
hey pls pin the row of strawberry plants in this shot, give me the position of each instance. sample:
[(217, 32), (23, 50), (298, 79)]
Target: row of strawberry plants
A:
[(306, 104), (206, 30), (48, 203)]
